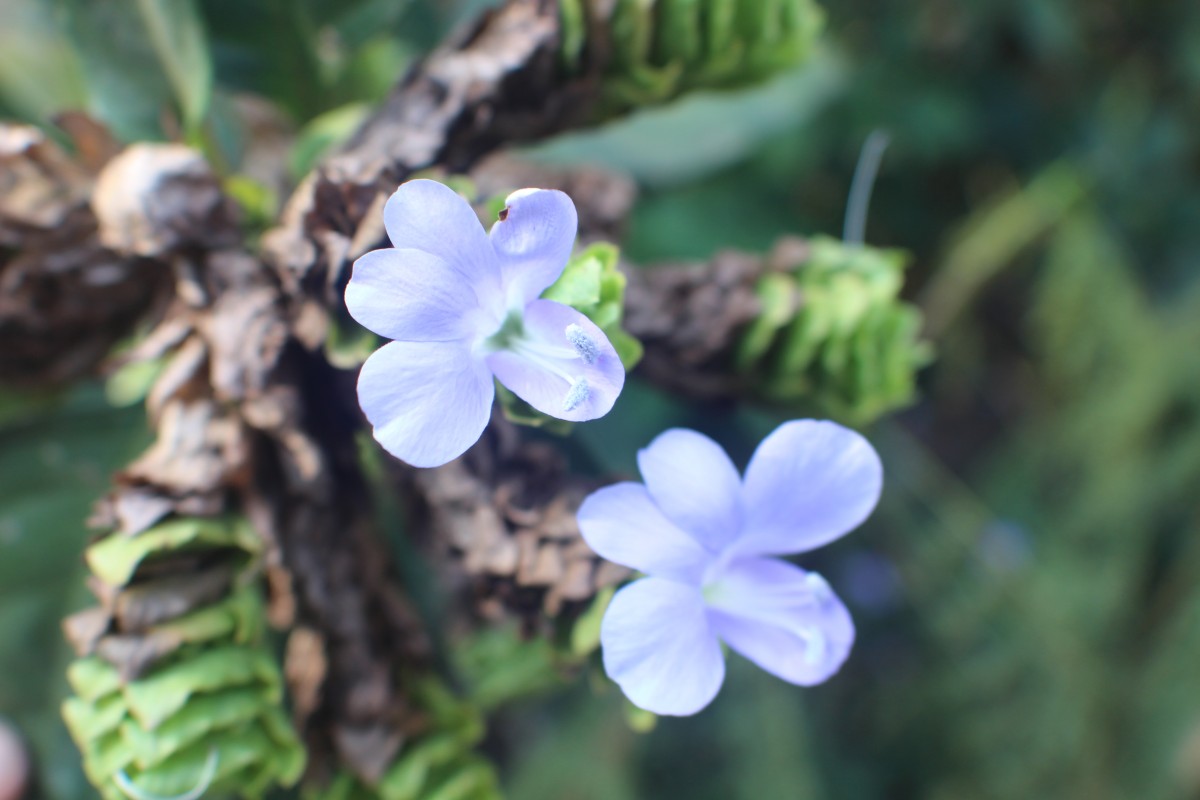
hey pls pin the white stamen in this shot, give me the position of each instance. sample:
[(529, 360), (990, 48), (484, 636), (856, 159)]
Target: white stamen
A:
[(206, 778), (584, 345), (580, 391)]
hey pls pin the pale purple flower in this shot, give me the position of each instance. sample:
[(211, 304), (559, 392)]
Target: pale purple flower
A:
[(462, 306), (703, 534)]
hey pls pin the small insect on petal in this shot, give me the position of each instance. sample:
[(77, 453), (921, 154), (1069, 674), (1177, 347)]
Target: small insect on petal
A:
[(584, 345)]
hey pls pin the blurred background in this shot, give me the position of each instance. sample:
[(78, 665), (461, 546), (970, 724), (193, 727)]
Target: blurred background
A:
[(1028, 594)]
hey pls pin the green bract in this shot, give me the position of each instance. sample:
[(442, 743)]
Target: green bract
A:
[(833, 332), (663, 48), (208, 708), (439, 764)]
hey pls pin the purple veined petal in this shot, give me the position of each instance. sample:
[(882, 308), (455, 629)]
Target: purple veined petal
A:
[(660, 649), (427, 401), (784, 619), (429, 216), (533, 240), (564, 366), (695, 484), (623, 525), (411, 295), (808, 483)]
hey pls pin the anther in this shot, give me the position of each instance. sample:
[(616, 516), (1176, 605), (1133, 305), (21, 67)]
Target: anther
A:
[(579, 392), (584, 345)]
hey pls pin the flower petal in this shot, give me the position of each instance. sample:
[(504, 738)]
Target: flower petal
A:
[(411, 295), (533, 240), (622, 524), (545, 369), (429, 216), (809, 482), (428, 401), (659, 648), (695, 484), (784, 619)]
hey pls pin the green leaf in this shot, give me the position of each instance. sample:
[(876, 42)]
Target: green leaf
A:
[(237, 752), (194, 722), (130, 384), (678, 31), (348, 344), (498, 666), (258, 203), (40, 73), (239, 616), (115, 558), (177, 33), (322, 134), (777, 293), (93, 679), (572, 22), (139, 57), (90, 720), (579, 284), (629, 349), (160, 695)]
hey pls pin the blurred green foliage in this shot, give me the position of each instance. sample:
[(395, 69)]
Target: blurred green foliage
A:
[(55, 458), (438, 765), (1028, 596)]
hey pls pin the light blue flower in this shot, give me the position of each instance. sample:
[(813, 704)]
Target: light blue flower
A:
[(703, 536), (462, 306)]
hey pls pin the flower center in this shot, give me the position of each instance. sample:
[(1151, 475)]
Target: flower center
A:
[(548, 356), (511, 330)]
